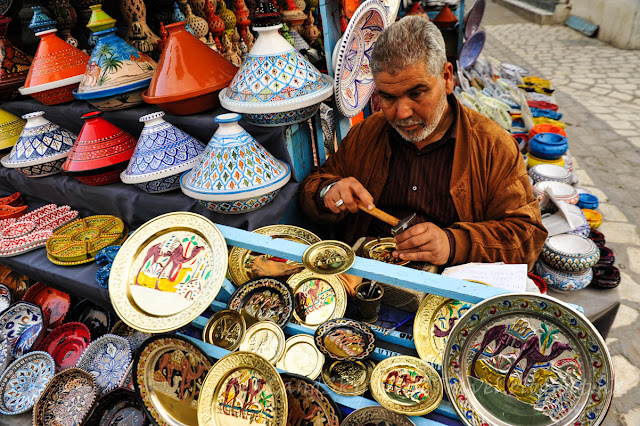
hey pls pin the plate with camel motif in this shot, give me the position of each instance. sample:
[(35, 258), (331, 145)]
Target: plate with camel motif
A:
[(307, 400), (168, 272), (263, 299), (527, 358), (318, 298), (378, 416), (344, 339)]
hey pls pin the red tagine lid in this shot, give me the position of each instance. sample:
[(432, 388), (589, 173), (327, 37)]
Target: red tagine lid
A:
[(15, 63), (445, 18)]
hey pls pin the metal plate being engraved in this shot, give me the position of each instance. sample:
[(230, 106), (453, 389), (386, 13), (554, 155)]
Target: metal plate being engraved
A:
[(243, 388), (345, 339), (318, 298), (527, 358), (241, 260), (168, 272), (406, 385), (309, 402), (265, 339), (168, 378), (328, 257), (301, 357), (378, 416), (347, 377), (225, 329), (263, 299), (382, 250), (434, 321)]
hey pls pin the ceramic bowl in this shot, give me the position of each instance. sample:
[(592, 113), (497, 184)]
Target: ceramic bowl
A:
[(533, 161), (66, 344), (54, 303), (106, 359), (546, 128), (570, 253), (597, 237), (583, 228), (607, 256), (588, 201), (96, 318), (563, 281), (594, 218), (23, 382), (606, 276), (548, 146), (23, 325), (550, 172), (562, 191)]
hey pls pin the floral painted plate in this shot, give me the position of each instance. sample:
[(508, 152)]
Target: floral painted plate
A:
[(54, 303), (107, 359), (318, 298), (66, 400), (344, 339), (118, 407), (228, 392), (66, 344), (169, 372), (96, 318), (23, 381), (376, 415), (23, 325), (5, 355), (527, 358), (307, 400), (264, 299)]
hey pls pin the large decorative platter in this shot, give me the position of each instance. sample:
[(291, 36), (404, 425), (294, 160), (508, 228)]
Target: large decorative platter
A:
[(96, 318), (66, 400), (266, 339), (344, 339), (434, 321), (117, 408), (133, 336), (168, 379), (107, 359), (263, 299), (66, 344), (225, 329), (353, 81), (23, 325), (23, 381), (525, 358), (54, 303), (241, 260), (5, 297), (473, 18), (301, 356), (308, 401), (406, 385), (347, 378), (318, 298), (382, 249), (329, 257), (168, 272), (229, 393), (378, 416)]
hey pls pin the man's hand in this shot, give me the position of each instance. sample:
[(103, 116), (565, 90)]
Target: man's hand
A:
[(347, 190), (424, 242)]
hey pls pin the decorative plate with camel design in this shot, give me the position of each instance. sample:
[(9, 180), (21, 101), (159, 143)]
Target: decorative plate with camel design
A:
[(318, 298), (524, 358), (263, 299), (307, 400), (344, 339), (168, 272)]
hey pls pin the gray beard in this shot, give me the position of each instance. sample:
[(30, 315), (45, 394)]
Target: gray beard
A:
[(428, 128)]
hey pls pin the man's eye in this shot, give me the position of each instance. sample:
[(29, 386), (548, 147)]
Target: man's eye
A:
[(416, 94)]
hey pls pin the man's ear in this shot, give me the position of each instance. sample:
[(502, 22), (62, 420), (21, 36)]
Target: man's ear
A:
[(447, 76)]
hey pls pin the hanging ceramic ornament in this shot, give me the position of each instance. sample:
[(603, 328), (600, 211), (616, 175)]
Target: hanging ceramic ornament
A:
[(227, 16), (128, 8), (57, 68), (14, 64), (162, 154), (41, 148), (198, 25), (216, 25), (293, 16), (10, 129), (235, 173), (139, 39)]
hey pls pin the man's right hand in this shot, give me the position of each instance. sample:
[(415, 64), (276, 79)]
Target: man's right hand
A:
[(347, 190)]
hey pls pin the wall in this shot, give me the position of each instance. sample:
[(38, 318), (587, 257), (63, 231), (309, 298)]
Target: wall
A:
[(619, 20)]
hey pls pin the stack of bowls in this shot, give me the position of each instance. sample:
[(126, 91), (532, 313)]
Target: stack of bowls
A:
[(562, 191)]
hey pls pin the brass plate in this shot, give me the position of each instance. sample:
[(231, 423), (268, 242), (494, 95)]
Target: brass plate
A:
[(168, 272), (230, 395), (406, 385), (376, 415), (241, 260), (263, 299), (382, 250), (266, 339), (225, 329), (344, 339), (329, 257), (434, 321), (309, 404), (347, 378), (318, 298), (301, 357)]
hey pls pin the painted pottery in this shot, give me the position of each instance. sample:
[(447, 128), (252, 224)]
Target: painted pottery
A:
[(263, 299), (13, 200), (17, 283), (41, 148), (235, 174), (347, 378), (597, 237), (10, 129), (445, 18), (54, 303), (583, 228), (66, 400), (66, 344), (9, 212), (28, 38), (328, 257), (301, 356), (96, 318), (344, 339), (23, 326), (376, 415), (118, 407), (532, 160), (593, 217), (562, 191), (57, 67), (14, 65), (570, 253), (264, 338), (162, 154), (607, 256), (546, 128), (548, 146), (189, 74), (305, 396), (99, 19), (563, 281), (299, 43), (473, 18), (100, 153), (5, 355), (538, 282), (472, 48), (134, 337), (542, 172), (605, 276), (318, 298), (106, 359), (5, 297), (588, 201), (24, 381), (130, 7)]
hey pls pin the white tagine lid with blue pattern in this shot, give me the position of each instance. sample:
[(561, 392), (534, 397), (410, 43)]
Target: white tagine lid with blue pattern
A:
[(234, 166), (41, 141)]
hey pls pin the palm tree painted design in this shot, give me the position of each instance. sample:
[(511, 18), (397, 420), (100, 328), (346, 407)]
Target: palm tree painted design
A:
[(546, 338), (108, 62), (264, 402)]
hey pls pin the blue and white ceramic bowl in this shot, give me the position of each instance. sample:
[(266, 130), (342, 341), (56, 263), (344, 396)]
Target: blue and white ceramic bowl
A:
[(563, 281), (570, 253), (106, 359), (23, 325), (548, 146), (24, 380)]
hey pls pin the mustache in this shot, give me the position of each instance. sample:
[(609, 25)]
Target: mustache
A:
[(409, 122)]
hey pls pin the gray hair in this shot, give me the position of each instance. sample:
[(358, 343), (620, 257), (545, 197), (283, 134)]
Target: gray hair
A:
[(411, 40)]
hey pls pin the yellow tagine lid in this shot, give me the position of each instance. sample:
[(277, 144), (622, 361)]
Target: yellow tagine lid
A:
[(10, 129)]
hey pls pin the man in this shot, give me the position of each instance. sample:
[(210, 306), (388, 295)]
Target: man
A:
[(425, 152)]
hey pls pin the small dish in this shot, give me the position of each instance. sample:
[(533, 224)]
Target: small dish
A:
[(376, 415), (118, 407), (607, 256), (23, 381), (318, 298), (562, 191), (54, 303), (66, 344), (266, 339), (263, 299), (550, 172), (96, 318), (347, 378), (382, 249), (570, 253), (304, 396), (107, 359), (588, 201), (23, 325), (225, 329), (344, 339), (301, 356), (328, 257), (597, 237), (594, 218)]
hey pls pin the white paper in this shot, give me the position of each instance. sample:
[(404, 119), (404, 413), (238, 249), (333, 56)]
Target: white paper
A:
[(561, 221), (509, 277)]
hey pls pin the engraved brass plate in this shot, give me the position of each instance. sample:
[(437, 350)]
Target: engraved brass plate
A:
[(328, 257), (225, 329), (347, 377), (301, 357), (382, 250), (266, 339), (318, 298)]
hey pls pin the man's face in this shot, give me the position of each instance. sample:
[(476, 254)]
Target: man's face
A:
[(413, 101)]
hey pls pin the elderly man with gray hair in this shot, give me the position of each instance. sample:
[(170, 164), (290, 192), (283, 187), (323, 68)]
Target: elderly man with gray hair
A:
[(426, 153)]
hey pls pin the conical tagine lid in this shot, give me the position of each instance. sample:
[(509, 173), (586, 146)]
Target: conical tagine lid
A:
[(234, 166), (162, 150), (10, 129), (14, 63)]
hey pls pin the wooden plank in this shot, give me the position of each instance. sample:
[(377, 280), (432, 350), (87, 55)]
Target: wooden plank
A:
[(317, 126)]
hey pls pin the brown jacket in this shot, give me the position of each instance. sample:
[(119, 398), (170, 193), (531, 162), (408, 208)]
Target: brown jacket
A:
[(499, 217)]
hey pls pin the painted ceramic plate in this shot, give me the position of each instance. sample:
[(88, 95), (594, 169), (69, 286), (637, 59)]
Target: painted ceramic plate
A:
[(66, 344), (241, 260), (5, 297), (229, 392), (168, 379), (318, 298), (329, 257), (301, 356), (526, 358), (378, 416), (66, 400), (382, 250), (353, 81), (134, 337), (264, 299), (434, 321), (225, 329), (23, 325), (347, 378), (473, 18), (266, 339), (5, 355), (345, 339), (406, 385), (24, 380), (117, 408), (107, 359), (96, 318), (168, 272), (392, 10), (55, 303), (308, 401)]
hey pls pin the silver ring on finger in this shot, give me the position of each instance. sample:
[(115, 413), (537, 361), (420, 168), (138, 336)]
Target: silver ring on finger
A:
[(339, 202)]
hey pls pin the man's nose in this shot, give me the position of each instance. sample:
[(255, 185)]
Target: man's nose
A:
[(403, 110)]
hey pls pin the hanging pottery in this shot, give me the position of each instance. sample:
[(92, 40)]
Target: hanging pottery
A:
[(293, 15), (14, 64), (199, 25), (235, 173), (10, 129), (163, 153), (128, 8)]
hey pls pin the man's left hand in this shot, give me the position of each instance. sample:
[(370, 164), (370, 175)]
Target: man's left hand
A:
[(423, 242)]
